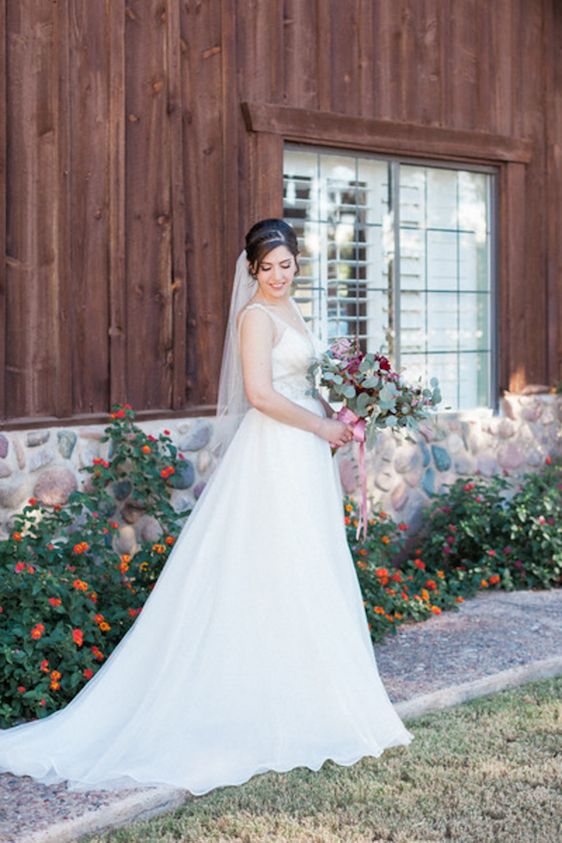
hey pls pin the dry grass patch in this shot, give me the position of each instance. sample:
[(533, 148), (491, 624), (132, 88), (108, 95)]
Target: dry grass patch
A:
[(487, 771)]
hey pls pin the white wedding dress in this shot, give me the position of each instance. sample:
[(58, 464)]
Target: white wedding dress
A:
[(252, 652)]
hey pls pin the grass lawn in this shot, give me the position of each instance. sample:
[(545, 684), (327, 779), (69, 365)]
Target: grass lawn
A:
[(487, 770)]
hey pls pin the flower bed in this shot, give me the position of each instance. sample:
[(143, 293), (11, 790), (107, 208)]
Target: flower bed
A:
[(67, 595)]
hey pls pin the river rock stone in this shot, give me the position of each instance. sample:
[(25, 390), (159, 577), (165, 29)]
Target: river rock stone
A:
[(66, 442), (510, 456), (36, 437), (384, 480), (203, 461), (455, 444), (198, 489), (348, 475), (441, 458), (12, 493), (464, 464), (486, 463), (39, 459), (121, 490), (506, 428), (151, 529), (55, 485), (20, 453), (5, 470), (532, 411), (184, 476), (399, 497), (428, 481), (408, 457), (197, 438), (413, 478), (4, 446), (126, 540), (426, 457)]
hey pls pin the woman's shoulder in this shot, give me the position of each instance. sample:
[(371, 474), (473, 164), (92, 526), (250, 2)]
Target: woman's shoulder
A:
[(259, 313)]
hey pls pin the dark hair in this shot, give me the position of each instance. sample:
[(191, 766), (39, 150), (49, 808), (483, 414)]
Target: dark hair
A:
[(266, 235)]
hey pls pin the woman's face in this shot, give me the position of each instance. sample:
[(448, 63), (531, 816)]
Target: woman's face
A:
[(275, 274)]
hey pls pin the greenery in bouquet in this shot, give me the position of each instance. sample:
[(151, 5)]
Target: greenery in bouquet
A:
[(67, 595), (368, 386)]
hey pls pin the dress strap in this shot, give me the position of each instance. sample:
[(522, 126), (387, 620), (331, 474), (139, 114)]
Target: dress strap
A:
[(265, 309)]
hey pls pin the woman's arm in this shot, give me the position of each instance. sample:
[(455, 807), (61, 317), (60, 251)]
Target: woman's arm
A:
[(330, 412), (256, 343)]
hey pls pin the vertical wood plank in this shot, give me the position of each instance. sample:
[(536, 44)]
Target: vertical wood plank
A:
[(179, 275), (513, 328), (117, 331), (3, 253), (203, 165), (89, 81), (300, 46), (148, 207), (552, 51), (324, 54)]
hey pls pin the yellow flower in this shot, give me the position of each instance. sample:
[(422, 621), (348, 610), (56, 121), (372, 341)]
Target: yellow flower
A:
[(425, 593), (441, 575), (348, 507)]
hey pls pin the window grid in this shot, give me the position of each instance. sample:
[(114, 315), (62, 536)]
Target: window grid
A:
[(352, 241)]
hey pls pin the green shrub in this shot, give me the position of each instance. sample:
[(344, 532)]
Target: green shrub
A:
[(67, 596)]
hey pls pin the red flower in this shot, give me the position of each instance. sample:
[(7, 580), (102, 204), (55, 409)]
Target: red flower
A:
[(98, 654), (402, 526), (383, 363), (88, 672), (22, 689), (419, 564), (44, 666), (548, 460), (166, 432), (17, 537), (81, 547), (78, 637), (166, 472), (43, 702), (468, 487), (19, 566), (32, 501)]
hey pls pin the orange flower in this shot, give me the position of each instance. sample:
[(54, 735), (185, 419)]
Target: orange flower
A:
[(159, 548), (55, 674), (80, 585), (93, 596), (98, 654), (441, 575), (383, 515), (424, 593), (419, 564), (146, 449), (30, 569), (88, 672), (385, 539), (99, 618), (396, 577), (403, 595), (36, 633), (81, 547), (389, 618), (381, 572), (166, 472), (104, 626), (55, 601), (348, 507), (78, 637), (436, 610), (378, 610), (361, 564), (347, 521), (495, 578), (54, 686), (44, 666), (398, 615), (431, 584), (17, 537), (484, 583), (125, 557), (459, 599), (123, 567), (362, 552)]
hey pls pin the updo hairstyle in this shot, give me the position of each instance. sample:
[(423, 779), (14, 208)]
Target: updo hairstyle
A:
[(266, 235)]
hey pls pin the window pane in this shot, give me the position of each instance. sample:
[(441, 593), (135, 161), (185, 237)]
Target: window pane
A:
[(430, 270)]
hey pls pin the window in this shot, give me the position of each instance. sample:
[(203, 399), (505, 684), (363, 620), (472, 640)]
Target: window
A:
[(400, 254)]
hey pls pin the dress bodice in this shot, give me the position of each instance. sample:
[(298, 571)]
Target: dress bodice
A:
[(292, 355)]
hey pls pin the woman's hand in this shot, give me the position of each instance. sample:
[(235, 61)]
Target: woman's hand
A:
[(335, 432)]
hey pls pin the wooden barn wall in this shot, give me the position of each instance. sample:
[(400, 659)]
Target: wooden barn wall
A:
[(128, 175)]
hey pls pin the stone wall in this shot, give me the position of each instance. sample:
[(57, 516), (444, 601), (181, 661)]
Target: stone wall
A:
[(45, 464)]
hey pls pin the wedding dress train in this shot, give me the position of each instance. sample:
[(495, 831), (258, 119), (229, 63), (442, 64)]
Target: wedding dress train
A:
[(252, 652)]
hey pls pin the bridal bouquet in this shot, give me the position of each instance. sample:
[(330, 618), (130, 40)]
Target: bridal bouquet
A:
[(374, 396)]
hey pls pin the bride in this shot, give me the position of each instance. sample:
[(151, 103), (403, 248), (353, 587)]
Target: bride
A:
[(252, 652)]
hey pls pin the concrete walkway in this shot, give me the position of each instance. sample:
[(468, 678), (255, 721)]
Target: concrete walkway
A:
[(495, 641)]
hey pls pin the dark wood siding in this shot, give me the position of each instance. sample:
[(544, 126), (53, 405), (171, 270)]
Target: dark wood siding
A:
[(129, 171)]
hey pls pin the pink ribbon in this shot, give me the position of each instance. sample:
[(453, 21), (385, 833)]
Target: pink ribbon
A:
[(347, 416)]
